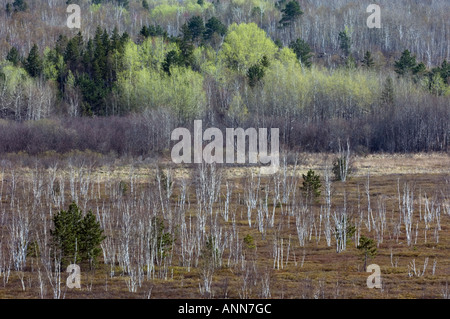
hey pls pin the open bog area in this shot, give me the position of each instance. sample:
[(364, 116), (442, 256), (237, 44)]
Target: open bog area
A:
[(211, 231)]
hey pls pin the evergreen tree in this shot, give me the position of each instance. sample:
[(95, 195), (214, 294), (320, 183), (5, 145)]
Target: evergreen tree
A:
[(172, 59), (255, 74), (212, 26), (345, 42), (91, 236), (145, 5), (368, 248), (368, 60), (76, 238), (20, 5), (406, 64), (311, 184), (13, 56), (33, 63), (65, 235), (291, 12), (8, 9), (303, 51), (193, 29), (444, 71)]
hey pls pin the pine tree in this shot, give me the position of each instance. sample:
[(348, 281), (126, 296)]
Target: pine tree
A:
[(368, 248), (368, 60), (91, 236), (291, 12), (33, 63), (145, 5), (214, 25), (8, 9), (172, 59), (303, 51), (406, 64), (311, 184), (20, 5), (13, 56), (65, 235), (345, 42), (76, 238), (193, 29), (255, 74)]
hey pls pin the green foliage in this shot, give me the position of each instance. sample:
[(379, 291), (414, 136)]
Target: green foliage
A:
[(368, 60), (164, 239), (245, 45), (76, 238), (249, 241), (193, 29), (13, 56), (153, 31), (255, 73), (311, 184), (291, 12), (350, 62), (20, 5), (173, 58), (368, 249), (303, 51), (8, 9), (145, 5), (406, 64), (345, 42), (33, 63), (214, 26)]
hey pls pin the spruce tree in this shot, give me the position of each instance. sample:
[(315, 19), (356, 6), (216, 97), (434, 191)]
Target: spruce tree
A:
[(65, 235), (13, 56), (255, 74), (302, 50), (33, 63), (368, 60), (194, 29), (368, 249), (291, 12), (214, 25), (145, 5), (311, 184), (76, 238), (345, 42), (20, 5), (406, 64), (91, 236)]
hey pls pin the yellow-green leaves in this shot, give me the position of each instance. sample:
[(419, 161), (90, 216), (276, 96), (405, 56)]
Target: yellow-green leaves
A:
[(245, 45), (143, 84)]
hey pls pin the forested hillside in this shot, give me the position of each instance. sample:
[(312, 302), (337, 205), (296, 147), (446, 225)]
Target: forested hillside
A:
[(137, 69)]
